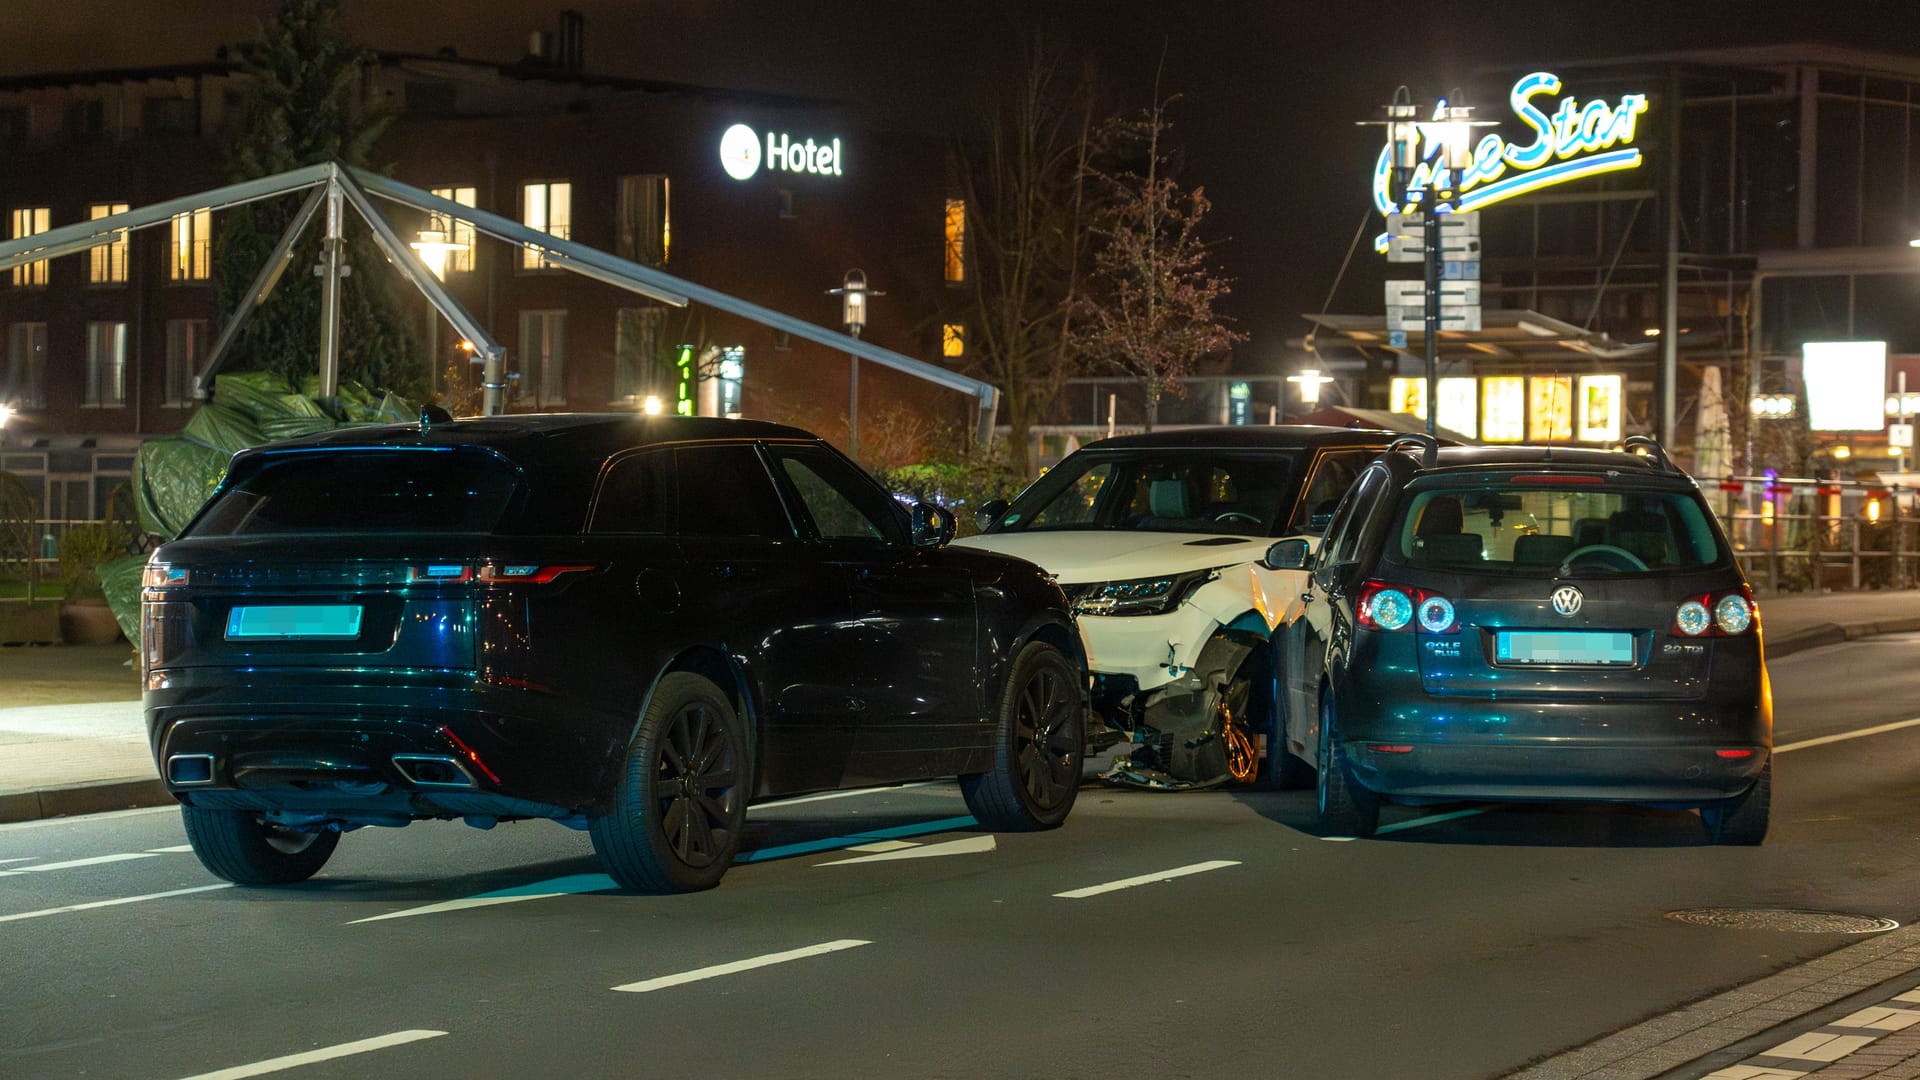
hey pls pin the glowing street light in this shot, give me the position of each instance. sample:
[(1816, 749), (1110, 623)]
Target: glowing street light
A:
[(1309, 381), (433, 247)]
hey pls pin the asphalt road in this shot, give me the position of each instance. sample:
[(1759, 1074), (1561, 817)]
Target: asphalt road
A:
[(881, 934)]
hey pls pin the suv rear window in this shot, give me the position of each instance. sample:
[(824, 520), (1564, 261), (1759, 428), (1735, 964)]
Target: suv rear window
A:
[(1209, 491), (366, 491), (1531, 527)]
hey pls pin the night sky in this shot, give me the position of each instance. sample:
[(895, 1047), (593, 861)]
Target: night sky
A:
[(1269, 90)]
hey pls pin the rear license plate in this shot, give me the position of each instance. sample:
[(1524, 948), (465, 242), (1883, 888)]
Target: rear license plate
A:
[(1562, 647), (294, 622)]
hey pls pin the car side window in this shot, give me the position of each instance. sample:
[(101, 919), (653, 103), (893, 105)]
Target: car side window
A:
[(842, 503), (1342, 542), (637, 495), (1333, 474), (724, 490)]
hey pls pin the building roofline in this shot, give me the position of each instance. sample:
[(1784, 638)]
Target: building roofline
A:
[(1763, 57)]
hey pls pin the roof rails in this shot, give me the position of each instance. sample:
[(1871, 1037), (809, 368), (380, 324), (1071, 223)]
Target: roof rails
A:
[(1429, 448), (1654, 450)]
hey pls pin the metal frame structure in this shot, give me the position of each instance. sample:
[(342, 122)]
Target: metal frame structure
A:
[(339, 187)]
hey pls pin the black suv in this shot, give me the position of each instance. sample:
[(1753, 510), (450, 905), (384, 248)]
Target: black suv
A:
[(632, 626), (1520, 623)]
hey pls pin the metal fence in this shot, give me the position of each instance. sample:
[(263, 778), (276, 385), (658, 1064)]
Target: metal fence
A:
[(1798, 533), (30, 554)]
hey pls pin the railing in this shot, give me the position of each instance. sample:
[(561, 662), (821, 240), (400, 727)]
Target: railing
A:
[(1795, 533), (30, 553)]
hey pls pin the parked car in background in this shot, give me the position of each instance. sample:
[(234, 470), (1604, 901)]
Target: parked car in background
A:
[(1529, 623), (634, 626), (1158, 540)]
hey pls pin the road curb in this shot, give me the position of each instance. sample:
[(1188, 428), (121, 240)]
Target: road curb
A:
[(96, 797), (1813, 637)]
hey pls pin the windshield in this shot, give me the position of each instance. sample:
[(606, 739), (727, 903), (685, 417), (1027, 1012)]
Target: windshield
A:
[(1575, 529), (365, 491), (1164, 490)]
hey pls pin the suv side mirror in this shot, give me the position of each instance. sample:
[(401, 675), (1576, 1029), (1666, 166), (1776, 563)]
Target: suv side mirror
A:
[(933, 525), (1288, 554), (989, 513)]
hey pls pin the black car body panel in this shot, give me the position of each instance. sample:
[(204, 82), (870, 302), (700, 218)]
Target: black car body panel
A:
[(502, 670), (1538, 679)]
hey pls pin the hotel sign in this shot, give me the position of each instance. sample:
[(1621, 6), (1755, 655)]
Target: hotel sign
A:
[(741, 154), (1571, 141)]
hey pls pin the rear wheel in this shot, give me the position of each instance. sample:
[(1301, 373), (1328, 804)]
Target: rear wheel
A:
[(1347, 807), (243, 848), (1742, 819), (682, 794), (1037, 749)]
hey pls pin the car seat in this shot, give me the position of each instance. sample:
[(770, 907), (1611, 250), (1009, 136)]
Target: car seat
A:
[(1539, 549), (1642, 532), (1438, 536)]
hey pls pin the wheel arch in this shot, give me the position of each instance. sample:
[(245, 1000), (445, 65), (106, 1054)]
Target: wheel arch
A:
[(715, 664)]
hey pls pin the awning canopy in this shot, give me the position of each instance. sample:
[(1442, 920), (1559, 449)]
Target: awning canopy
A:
[(1525, 338)]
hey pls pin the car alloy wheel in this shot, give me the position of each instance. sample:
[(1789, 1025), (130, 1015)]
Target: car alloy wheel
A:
[(1036, 759)]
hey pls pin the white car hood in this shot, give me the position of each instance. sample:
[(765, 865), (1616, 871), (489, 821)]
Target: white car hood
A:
[(1080, 556)]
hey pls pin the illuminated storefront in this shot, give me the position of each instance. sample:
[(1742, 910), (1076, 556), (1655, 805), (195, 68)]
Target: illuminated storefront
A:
[(1519, 408)]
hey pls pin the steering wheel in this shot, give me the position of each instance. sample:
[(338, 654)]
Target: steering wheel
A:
[(1609, 551), (1236, 515)]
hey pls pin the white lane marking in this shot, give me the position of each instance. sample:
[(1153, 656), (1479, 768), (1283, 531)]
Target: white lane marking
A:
[(68, 822), (879, 846), (1147, 879), (971, 845), (1825, 739), (539, 890), (27, 858), (738, 966), (97, 860), (824, 796), (1430, 819), (113, 903), (325, 1053), (177, 850)]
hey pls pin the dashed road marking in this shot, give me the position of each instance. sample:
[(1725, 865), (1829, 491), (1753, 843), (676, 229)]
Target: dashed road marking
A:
[(113, 903), (738, 966), (1843, 736), (1147, 879), (971, 845), (71, 864), (852, 793), (539, 890), (325, 1053)]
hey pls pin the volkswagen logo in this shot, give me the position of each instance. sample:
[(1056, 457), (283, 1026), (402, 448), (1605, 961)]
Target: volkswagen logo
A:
[(1567, 601)]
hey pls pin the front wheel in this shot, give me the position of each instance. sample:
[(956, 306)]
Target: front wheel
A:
[(682, 796), (242, 847), (1347, 807), (1037, 746), (1741, 820)]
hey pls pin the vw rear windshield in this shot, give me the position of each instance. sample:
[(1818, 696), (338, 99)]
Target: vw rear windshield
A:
[(379, 491), (1160, 490), (1557, 529)]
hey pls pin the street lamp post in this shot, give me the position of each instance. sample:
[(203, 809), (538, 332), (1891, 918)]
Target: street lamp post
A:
[(853, 293)]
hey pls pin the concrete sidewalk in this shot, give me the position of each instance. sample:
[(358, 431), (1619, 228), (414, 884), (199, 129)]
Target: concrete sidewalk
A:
[(72, 740)]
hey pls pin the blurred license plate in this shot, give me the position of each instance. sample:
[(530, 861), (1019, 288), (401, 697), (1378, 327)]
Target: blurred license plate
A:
[(1562, 647), (290, 622)]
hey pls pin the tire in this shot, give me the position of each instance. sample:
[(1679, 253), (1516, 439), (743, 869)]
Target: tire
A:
[(1347, 807), (1741, 820), (240, 847), (681, 800), (1037, 747)]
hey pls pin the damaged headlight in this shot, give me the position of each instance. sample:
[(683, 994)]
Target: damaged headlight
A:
[(1141, 596)]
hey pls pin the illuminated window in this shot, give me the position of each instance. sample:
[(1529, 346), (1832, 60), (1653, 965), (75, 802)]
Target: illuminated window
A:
[(645, 232), (1601, 405), (455, 230), (106, 365), (547, 207), (543, 357), (636, 345), (30, 221), (26, 366), (186, 351), (1503, 408), (107, 264), (956, 246), (1408, 396), (953, 340), (1551, 408), (1459, 408), (188, 255)]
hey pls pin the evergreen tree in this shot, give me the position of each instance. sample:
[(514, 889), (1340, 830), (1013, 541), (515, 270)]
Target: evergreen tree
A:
[(302, 108)]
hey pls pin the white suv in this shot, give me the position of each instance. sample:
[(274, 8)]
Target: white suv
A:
[(1159, 540)]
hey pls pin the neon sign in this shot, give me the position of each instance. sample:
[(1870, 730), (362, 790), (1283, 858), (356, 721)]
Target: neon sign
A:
[(1572, 142)]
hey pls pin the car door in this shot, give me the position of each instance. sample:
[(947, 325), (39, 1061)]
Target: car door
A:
[(752, 587), (910, 644), (1307, 638)]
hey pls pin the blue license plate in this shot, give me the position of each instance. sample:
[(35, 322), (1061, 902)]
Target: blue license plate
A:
[(294, 622), (1563, 647)]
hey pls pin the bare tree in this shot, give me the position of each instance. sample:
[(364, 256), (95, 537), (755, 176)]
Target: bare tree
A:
[(1023, 176), (1149, 309)]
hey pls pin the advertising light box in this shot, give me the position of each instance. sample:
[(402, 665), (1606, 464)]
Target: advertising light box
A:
[(1846, 384)]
